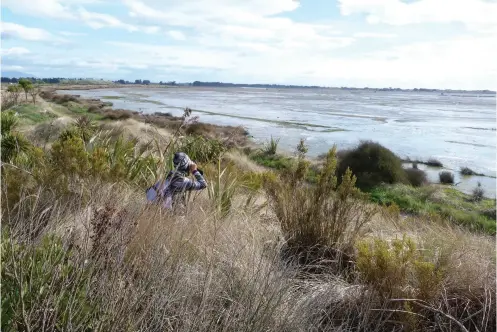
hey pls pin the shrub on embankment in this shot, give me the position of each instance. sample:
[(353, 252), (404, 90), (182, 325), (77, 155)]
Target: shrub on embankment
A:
[(416, 177), (446, 177), (373, 165)]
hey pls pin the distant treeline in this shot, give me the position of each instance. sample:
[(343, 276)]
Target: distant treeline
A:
[(54, 80), (146, 82), (60, 80), (416, 90), (241, 85)]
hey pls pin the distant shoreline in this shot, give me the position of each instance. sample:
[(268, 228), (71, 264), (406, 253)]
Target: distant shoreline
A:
[(157, 86), (98, 84)]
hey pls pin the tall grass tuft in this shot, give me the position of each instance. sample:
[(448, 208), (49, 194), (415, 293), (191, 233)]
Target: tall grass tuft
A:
[(222, 189), (271, 147)]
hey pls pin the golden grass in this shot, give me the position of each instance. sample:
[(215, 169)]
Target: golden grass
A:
[(201, 272)]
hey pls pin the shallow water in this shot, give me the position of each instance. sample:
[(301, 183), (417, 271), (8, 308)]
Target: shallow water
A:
[(458, 129)]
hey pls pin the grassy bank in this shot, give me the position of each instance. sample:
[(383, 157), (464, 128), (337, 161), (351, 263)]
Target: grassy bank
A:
[(260, 249), (436, 200)]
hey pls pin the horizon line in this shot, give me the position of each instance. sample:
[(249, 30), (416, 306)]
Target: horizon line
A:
[(268, 85)]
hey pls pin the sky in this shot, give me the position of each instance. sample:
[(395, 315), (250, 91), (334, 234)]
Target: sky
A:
[(361, 43)]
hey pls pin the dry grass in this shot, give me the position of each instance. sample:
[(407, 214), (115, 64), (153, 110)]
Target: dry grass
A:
[(151, 271), (243, 162)]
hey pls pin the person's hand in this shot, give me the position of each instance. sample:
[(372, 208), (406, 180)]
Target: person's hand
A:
[(193, 167)]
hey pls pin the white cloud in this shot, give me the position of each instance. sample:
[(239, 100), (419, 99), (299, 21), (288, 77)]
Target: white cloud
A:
[(98, 20), (177, 35), (16, 51), (46, 8), (59, 9), (14, 30), (72, 34), (66, 10), (253, 41), (374, 35), (149, 29), (12, 68), (462, 62), (247, 24), (475, 14)]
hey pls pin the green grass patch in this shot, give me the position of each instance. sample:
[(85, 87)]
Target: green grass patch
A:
[(77, 109), (33, 114), (274, 161), (446, 202)]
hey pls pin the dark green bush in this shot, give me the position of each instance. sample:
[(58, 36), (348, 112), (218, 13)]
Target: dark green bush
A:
[(446, 177), (416, 177), (468, 171), (117, 114), (94, 109), (434, 162), (373, 164), (478, 193)]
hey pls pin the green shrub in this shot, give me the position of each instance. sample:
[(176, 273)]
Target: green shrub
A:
[(197, 128), (44, 287), (69, 156), (94, 109), (271, 147), (117, 114), (416, 177), (325, 215), (467, 171), (478, 193), (13, 143), (201, 149), (373, 165), (398, 270), (434, 163), (446, 177)]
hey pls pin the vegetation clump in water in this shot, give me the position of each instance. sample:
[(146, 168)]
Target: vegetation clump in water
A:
[(446, 177)]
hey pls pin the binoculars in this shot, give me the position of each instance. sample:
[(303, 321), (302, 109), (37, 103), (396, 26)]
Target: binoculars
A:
[(198, 169)]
